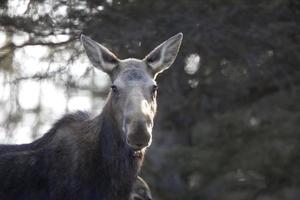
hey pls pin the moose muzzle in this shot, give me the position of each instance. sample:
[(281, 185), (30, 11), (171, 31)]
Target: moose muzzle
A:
[(138, 126)]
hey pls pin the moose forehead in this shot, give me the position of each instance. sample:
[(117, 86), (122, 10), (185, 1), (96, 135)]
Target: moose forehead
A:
[(133, 73)]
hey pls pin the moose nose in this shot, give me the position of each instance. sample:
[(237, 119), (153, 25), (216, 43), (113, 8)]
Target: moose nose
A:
[(139, 136)]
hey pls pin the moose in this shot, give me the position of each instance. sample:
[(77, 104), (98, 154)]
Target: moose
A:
[(83, 157)]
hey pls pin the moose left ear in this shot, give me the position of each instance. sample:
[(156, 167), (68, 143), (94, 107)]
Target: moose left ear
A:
[(163, 56)]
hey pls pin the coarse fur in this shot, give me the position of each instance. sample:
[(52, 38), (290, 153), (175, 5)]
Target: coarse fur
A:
[(79, 158)]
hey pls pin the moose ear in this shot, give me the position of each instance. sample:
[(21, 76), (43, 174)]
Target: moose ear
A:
[(99, 55), (163, 56)]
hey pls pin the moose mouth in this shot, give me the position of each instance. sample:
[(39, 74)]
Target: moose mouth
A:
[(138, 153)]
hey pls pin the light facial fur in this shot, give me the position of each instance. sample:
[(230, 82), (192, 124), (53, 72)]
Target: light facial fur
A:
[(133, 92)]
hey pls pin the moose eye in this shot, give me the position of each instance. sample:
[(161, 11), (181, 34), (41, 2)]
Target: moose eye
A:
[(114, 89), (154, 89)]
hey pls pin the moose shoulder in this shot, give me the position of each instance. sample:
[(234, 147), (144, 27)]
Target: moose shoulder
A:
[(93, 158)]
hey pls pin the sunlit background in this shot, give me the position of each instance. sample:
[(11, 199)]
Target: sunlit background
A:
[(34, 95), (228, 116)]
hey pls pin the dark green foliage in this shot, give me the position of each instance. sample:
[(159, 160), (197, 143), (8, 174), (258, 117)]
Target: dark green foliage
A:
[(231, 129)]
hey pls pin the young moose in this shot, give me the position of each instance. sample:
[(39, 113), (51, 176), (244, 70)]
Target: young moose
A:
[(83, 158)]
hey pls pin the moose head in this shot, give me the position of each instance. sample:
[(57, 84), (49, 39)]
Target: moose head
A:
[(133, 86)]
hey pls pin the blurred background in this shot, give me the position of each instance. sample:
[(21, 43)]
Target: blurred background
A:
[(228, 117)]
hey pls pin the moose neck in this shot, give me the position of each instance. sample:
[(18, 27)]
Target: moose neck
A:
[(113, 140)]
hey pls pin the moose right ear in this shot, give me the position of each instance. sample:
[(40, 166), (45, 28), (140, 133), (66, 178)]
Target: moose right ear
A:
[(163, 56), (99, 55)]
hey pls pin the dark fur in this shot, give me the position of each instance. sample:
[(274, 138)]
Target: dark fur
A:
[(79, 158)]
